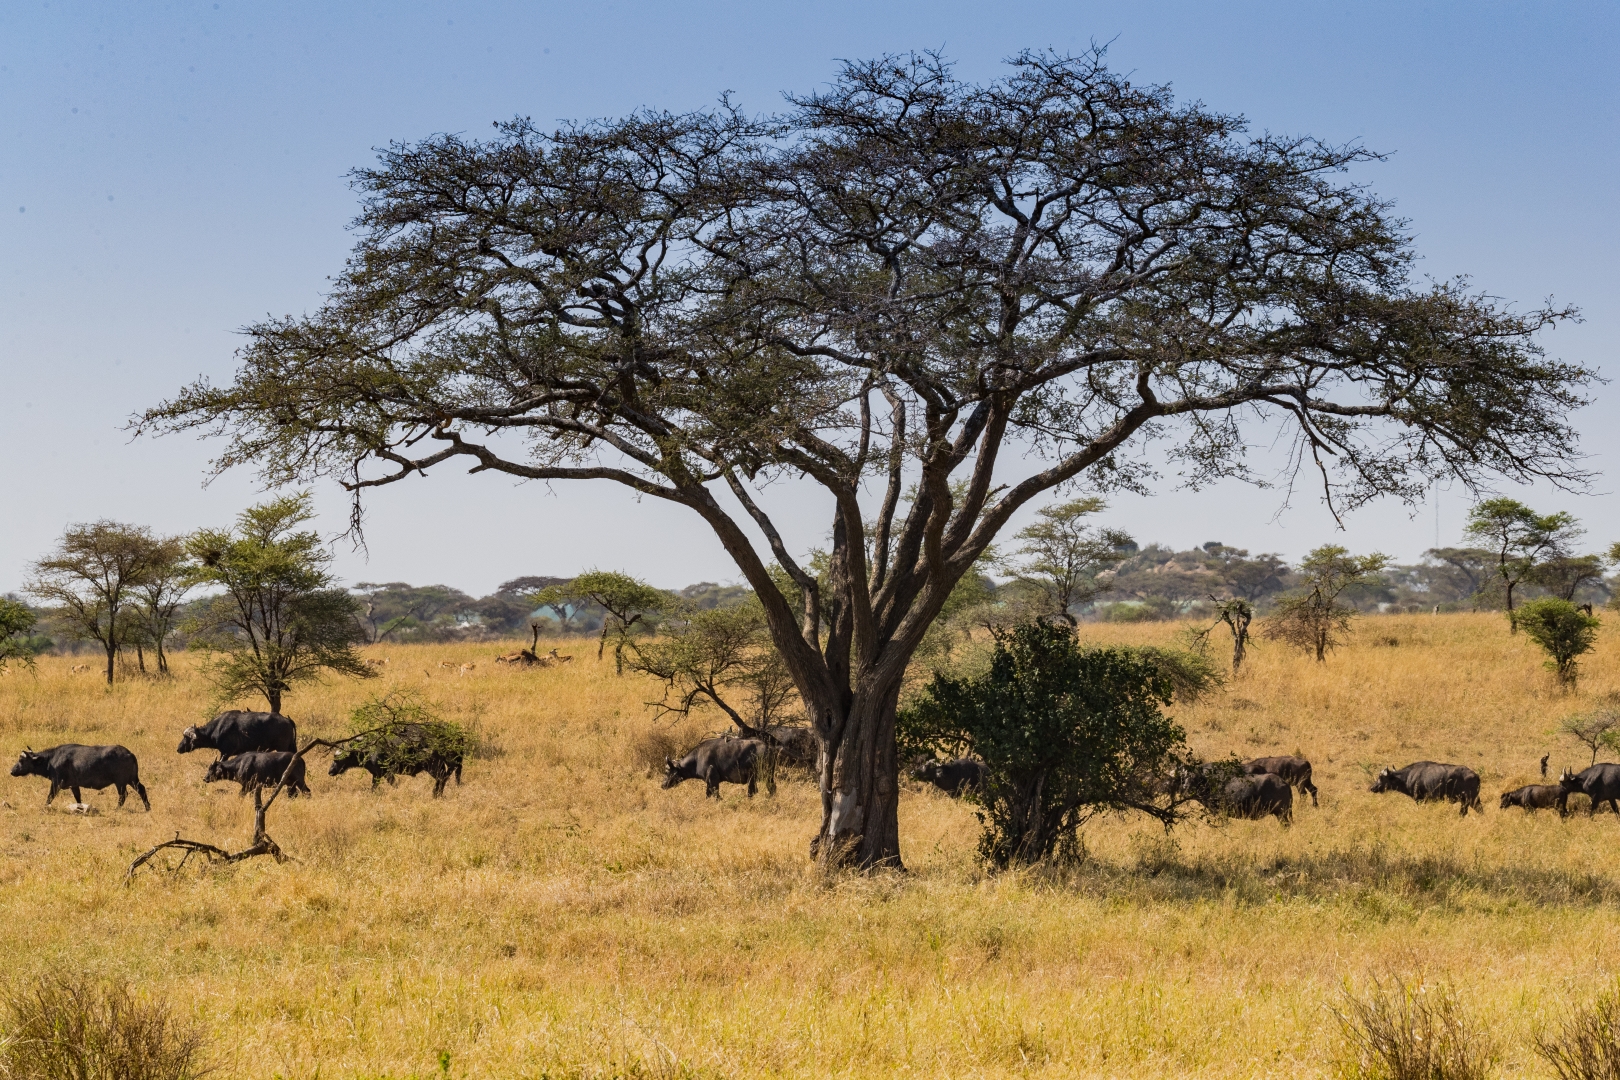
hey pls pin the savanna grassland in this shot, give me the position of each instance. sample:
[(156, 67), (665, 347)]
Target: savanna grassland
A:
[(559, 914)]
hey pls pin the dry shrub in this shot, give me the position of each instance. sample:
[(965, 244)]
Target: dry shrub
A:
[(1586, 1046), (62, 1028), (649, 748), (1410, 1030)]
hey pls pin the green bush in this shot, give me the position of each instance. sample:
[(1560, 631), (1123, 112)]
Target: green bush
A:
[(1067, 733), (1563, 631)]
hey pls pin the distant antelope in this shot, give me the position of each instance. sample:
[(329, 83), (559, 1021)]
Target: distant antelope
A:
[(447, 666), (79, 669), (465, 669), (555, 659), (377, 663)]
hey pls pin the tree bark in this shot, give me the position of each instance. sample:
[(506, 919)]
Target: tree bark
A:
[(112, 656), (860, 784)]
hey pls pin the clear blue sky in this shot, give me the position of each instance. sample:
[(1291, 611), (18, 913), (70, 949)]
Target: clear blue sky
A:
[(170, 172)]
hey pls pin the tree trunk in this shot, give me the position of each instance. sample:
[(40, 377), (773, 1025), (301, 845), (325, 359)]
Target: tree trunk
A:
[(140, 657), (112, 656), (162, 658), (1513, 624), (274, 696), (860, 789)]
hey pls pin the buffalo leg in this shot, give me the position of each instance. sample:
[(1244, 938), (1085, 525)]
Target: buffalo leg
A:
[(76, 796), (711, 783), (120, 805), (1310, 787), (55, 787), (753, 785), (140, 789)]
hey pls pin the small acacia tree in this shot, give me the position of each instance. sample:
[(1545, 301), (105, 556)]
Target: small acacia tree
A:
[(91, 579), (1564, 632), (280, 618), (158, 594), (1519, 540), (624, 600), (16, 620), (903, 277), (723, 656), (1237, 614), (1067, 733), (1598, 731), (1063, 556), (1310, 616)]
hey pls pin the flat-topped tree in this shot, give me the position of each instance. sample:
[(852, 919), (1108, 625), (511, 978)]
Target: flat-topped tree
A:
[(902, 279)]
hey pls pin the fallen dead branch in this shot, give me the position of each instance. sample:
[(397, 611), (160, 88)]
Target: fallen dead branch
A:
[(262, 843)]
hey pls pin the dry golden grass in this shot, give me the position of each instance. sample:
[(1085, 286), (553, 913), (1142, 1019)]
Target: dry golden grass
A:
[(560, 915)]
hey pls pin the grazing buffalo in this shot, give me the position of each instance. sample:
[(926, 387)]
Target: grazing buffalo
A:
[(954, 777), (1601, 783), (260, 769), (1427, 781), (716, 762), (405, 752), (1254, 796), (1295, 772), (72, 766), (239, 732), (1535, 797)]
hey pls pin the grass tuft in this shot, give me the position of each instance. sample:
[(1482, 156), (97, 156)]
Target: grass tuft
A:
[(75, 1028)]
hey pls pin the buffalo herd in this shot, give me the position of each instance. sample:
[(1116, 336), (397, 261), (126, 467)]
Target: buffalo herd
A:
[(257, 750)]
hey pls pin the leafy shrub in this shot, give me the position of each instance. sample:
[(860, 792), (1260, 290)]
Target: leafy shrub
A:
[(1586, 1046), (1411, 1030), (381, 722), (1563, 631), (61, 1028), (1066, 732)]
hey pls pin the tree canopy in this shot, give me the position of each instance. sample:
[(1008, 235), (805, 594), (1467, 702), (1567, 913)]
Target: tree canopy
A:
[(903, 278)]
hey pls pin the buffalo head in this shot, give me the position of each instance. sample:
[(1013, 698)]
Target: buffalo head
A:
[(29, 764), (926, 771), (1507, 800), (188, 740), (672, 775), (1568, 780), (1381, 783), (343, 761), (215, 772)]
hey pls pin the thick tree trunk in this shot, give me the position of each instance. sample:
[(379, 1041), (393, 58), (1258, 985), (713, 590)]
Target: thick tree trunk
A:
[(274, 696), (112, 657), (860, 790)]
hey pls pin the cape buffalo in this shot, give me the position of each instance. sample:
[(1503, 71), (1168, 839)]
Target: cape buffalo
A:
[(72, 766), (1427, 781), (257, 769), (1295, 772), (402, 755), (1535, 797), (1601, 783), (716, 762), (954, 777), (239, 732), (1254, 796)]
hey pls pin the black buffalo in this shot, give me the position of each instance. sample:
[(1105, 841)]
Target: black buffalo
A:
[(1535, 797), (72, 766), (1295, 772), (1257, 795), (260, 769), (1601, 783), (1427, 781), (404, 752), (716, 762), (954, 777), (239, 732)]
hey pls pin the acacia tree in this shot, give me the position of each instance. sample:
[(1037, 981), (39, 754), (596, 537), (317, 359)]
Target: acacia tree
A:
[(723, 656), (904, 278), (1063, 556), (279, 618), (16, 620), (624, 600), (91, 578), (1519, 540), (1310, 616), (169, 578)]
